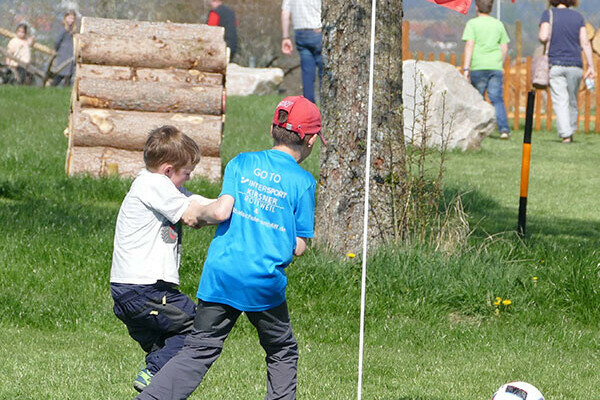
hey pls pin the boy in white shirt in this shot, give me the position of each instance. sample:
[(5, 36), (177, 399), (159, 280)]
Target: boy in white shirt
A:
[(147, 247)]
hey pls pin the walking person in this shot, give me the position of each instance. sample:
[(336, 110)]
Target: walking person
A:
[(221, 15), (306, 19), (486, 48), (567, 34), (64, 49)]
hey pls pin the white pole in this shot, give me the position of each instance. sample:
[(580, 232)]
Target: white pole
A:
[(363, 281), (498, 9)]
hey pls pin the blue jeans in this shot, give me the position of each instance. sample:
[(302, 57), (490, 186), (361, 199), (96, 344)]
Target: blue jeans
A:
[(493, 82), (308, 44)]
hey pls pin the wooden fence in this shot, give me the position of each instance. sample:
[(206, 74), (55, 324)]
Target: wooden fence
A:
[(517, 83)]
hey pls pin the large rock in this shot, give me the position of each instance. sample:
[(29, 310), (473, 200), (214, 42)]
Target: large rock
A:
[(242, 81), (456, 112)]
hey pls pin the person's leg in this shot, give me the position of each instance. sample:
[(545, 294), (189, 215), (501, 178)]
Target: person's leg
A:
[(278, 341), (307, 64), (479, 80), (496, 94), (56, 80), (560, 100), (183, 373), (574, 75), (316, 50), (174, 321)]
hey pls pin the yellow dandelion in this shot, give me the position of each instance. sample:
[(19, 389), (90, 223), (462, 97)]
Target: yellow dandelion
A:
[(535, 279), (506, 302), (351, 255), (543, 261), (497, 301)]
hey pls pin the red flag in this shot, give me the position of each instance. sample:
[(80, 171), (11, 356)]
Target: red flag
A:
[(462, 6)]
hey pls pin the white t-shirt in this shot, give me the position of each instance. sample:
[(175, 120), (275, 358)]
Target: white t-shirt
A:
[(146, 245), (306, 14)]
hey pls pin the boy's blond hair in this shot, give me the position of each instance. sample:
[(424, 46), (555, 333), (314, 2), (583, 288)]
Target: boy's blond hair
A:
[(168, 144)]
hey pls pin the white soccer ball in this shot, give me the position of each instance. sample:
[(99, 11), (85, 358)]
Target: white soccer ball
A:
[(518, 391)]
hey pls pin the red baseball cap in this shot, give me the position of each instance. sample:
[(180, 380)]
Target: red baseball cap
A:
[(304, 116)]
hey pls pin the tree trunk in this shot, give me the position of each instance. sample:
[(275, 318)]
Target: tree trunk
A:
[(129, 129), (189, 77), (596, 42), (149, 30), (344, 96), (150, 96), (209, 54), (102, 161)]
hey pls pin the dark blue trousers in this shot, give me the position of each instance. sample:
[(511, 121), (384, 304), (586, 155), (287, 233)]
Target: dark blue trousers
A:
[(157, 316)]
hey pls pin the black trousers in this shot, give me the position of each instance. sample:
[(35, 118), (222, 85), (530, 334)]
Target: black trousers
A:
[(183, 373)]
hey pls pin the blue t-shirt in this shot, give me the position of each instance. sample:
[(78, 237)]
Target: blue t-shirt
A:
[(274, 204), (564, 45)]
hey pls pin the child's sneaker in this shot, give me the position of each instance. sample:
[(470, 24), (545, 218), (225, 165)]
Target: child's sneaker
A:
[(143, 379), (504, 135)]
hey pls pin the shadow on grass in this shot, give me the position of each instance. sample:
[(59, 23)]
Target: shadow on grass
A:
[(488, 217)]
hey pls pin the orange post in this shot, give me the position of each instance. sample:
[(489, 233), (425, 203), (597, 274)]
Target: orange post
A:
[(443, 57), (597, 116), (588, 111), (420, 56), (453, 59), (431, 57)]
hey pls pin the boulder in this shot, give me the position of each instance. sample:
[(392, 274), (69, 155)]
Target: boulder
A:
[(456, 113), (242, 81)]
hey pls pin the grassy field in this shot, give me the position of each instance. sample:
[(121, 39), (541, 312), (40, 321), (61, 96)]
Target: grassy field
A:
[(432, 330)]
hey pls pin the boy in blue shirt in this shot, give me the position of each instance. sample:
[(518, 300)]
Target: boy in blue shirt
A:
[(265, 214)]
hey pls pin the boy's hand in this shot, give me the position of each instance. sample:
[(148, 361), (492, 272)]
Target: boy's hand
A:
[(300, 246), (190, 216)]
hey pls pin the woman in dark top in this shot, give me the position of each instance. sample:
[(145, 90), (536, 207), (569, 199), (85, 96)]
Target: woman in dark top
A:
[(64, 49), (568, 37)]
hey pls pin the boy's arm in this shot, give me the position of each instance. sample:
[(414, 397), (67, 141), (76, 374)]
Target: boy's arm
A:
[(198, 215), (300, 246), (469, 45), (504, 50)]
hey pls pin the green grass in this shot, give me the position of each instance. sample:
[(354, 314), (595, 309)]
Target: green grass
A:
[(431, 332)]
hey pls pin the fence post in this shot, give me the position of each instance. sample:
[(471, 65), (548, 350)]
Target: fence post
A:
[(597, 116), (405, 40), (516, 119), (548, 111), (538, 110)]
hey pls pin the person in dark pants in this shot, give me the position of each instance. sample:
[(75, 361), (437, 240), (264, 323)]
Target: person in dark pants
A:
[(306, 19), (221, 15), (265, 214), (147, 245), (64, 49)]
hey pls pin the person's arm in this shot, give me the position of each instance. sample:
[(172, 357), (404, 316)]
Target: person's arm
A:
[(286, 43), (213, 19), (469, 45), (587, 51), (504, 50), (198, 215), (300, 246), (544, 33)]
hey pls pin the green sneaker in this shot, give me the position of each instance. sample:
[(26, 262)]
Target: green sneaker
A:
[(143, 379)]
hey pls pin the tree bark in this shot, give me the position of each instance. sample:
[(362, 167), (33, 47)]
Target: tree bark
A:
[(209, 54), (102, 161), (129, 129), (344, 96), (150, 96), (189, 77)]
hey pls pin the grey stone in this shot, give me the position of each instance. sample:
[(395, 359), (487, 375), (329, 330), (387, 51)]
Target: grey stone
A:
[(457, 114), (243, 81)]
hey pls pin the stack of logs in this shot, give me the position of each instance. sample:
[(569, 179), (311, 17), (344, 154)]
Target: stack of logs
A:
[(135, 76)]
